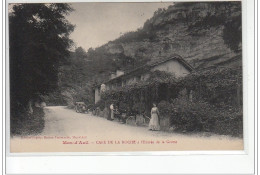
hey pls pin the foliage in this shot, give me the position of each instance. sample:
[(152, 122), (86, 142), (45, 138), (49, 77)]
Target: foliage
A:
[(39, 42), (219, 86), (211, 85), (138, 95), (80, 53), (77, 94), (54, 98), (200, 116), (75, 82), (165, 109), (209, 111), (232, 33), (73, 72), (123, 107), (101, 104), (28, 123), (96, 66), (156, 78), (138, 108), (192, 116), (230, 124)]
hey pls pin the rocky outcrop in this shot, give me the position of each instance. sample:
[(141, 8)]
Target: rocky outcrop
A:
[(192, 30)]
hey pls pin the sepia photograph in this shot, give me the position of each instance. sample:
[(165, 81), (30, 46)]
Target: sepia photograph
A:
[(125, 76)]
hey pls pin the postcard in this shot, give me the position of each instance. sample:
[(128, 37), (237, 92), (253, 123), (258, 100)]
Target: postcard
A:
[(125, 77)]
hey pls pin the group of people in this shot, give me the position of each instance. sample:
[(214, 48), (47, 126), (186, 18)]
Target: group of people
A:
[(154, 124)]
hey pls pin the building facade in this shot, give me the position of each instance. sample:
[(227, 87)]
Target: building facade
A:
[(174, 65)]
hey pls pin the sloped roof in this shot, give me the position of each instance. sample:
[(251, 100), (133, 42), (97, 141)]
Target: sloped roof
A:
[(148, 66), (174, 57)]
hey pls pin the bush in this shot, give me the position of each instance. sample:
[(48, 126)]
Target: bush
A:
[(54, 99), (192, 116), (230, 124), (100, 104), (76, 94), (123, 107), (138, 108), (166, 109), (216, 86), (200, 116), (24, 123)]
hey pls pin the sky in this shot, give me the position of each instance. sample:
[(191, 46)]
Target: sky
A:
[(99, 23)]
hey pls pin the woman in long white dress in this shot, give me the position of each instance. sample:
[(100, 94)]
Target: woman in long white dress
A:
[(154, 124), (112, 111)]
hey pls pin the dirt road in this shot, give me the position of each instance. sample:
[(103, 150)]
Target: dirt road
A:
[(65, 130)]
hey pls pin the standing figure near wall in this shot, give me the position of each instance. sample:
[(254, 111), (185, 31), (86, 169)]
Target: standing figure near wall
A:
[(112, 111), (154, 124)]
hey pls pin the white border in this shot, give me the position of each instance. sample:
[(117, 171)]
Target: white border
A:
[(187, 162)]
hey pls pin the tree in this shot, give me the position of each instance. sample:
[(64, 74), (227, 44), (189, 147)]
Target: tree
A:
[(80, 53), (39, 42)]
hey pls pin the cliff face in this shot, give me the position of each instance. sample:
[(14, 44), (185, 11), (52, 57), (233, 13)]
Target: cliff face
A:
[(204, 34)]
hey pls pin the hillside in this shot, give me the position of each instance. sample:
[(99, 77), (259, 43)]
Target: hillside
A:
[(204, 34)]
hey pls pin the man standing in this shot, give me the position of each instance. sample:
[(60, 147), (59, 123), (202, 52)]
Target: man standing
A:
[(112, 111)]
